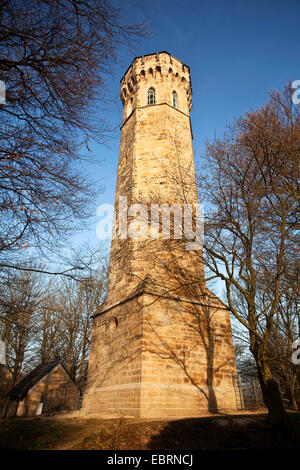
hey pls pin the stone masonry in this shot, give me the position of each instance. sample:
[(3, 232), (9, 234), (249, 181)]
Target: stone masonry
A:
[(161, 343)]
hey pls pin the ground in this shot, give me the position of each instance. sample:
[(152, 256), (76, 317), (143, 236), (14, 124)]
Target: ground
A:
[(221, 432)]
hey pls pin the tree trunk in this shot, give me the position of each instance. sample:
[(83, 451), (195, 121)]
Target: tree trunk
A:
[(291, 392), (273, 400)]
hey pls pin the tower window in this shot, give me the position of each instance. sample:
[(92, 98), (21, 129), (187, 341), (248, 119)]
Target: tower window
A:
[(151, 96), (174, 99)]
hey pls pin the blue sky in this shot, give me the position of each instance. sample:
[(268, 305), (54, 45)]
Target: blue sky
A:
[(236, 50)]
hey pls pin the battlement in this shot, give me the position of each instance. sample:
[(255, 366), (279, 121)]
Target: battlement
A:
[(164, 73)]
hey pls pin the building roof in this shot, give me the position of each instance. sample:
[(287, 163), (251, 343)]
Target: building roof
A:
[(31, 379)]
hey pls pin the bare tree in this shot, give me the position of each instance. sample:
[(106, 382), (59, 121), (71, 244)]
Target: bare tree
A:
[(251, 215), (20, 296), (287, 330), (48, 339), (75, 304), (43, 318), (55, 58)]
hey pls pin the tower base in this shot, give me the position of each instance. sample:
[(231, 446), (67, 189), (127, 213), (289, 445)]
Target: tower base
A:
[(159, 356)]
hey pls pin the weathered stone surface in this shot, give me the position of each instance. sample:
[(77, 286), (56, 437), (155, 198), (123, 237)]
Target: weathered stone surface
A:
[(162, 342)]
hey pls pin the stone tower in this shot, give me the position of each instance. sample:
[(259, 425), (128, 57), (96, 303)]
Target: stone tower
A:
[(161, 343)]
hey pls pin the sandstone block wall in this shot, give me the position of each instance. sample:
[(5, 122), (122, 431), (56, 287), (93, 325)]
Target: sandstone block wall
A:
[(162, 342), (154, 357)]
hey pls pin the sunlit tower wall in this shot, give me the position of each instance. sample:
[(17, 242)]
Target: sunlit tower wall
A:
[(161, 343)]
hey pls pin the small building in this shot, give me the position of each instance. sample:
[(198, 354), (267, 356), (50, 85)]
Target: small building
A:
[(5, 385), (47, 389)]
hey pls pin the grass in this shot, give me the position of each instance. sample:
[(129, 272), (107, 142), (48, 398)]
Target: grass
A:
[(208, 433), (35, 434)]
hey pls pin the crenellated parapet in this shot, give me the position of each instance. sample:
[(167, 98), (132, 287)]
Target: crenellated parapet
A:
[(166, 75)]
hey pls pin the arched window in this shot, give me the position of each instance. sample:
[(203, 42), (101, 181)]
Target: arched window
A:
[(174, 99), (151, 96)]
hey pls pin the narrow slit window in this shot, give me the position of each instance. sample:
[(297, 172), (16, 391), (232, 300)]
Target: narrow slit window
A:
[(151, 96), (129, 107), (175, 99)]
